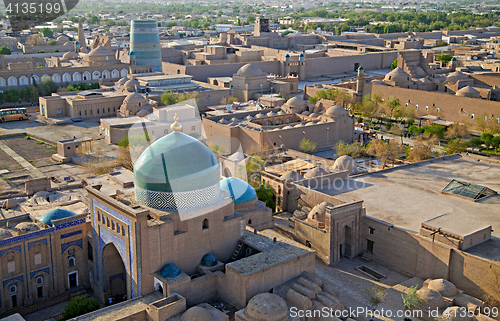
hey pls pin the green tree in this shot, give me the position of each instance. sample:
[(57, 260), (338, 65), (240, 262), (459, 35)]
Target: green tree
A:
[(79, 305), (394, 64), (392, 104), (47, 32), (456, 146), (46, 87), (217, 149), (444, 58), (476, 142), (487, 137), (253, 168), (307, 146), (265, 194), (5, 51), (375, 295), (52, 43), (354, 150), (495, 142), (41, 51), (411, 298)]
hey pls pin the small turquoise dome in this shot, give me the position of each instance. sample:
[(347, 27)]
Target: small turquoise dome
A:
[(177, 172), (240, 190), (208, 260), (287, 56), (77, 43), (132, 53), (170, 271), (55, 214)]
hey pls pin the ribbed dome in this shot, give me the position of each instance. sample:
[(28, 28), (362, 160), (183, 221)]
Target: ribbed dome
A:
[(240, 190), (177, 172), (267, 307), (131, 85), (345, 163), (135, 99), (170, 271), (315, 172), (430, 299), (55, 214), (455, 76), (249, 70), (336, 111), (208, 260), (196, 314), (292, 176), (445, 287)]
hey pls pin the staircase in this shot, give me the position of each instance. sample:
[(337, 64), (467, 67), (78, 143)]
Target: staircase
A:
[(367, 257), (237, 250)]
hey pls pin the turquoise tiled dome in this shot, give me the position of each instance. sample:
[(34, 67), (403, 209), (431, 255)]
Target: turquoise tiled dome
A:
[(55, 214), (208, 260), (177, 171), (240, 190), (170, 271)]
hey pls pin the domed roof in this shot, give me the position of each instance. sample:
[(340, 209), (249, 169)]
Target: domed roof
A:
[(281, 113), (260, 115), (296, 102), (454, 77), (177, 172), (267, 307), (318, 212), (314, 115), (131, 85), (208, 260), (4, 234), (249, 70), (306, 113), (455, 313), (70, 55), (292, 176), (134, 99), (132, 53), (25, 227), (310, 123), (142, 113), (170, 270), (55, 214), (397, 74), (315, 172), (445, 287), (196, 313), (468, 91), (62, 38), (43, 194), (240, 190), (345, 163), (100, 51), (299, 125), (68, 43), (270, 114), (123, 81), (430, 299), (336, 111)]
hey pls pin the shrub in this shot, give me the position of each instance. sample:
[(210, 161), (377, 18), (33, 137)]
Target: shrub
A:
[(307, 146), (265, 194), (80, 305)]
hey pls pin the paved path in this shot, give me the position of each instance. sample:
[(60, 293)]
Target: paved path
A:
[(35, 173)]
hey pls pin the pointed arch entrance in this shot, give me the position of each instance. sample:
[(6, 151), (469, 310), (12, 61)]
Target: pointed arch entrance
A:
[(115, 273)]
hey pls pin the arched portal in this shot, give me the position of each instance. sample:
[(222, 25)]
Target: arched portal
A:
[(115, 274)]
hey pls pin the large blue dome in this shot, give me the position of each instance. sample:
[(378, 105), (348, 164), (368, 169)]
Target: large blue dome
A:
[(170, 271), (208, 260), (240, 190), (55, 214), (177, 172)]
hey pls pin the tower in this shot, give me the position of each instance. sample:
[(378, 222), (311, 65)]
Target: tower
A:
[(132, 58), (145, 43), (360, 81), (81, 35), (453, 64), (302, 67)]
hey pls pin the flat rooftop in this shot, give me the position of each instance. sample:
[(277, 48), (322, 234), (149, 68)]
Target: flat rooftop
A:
[(162, 77), (407, 196)]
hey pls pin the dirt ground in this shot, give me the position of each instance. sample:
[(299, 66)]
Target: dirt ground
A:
[(38, 153), (6, 162)]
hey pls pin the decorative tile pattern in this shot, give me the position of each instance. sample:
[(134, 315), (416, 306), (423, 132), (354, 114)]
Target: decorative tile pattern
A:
[(15, 248), (139, 261), (177, 200), (97, 205), (32, 274), (43, 241), (63, 236), (70, 224), (65, 246), (106, 237), (17, 278)]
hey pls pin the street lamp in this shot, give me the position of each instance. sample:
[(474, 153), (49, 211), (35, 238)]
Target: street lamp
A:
[(261, 93)]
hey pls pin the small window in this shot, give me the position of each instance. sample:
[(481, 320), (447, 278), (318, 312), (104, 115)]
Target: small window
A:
[(85, 112), (71, 262), (107, 222), (71, 252), (416, 106), (437, 109), (98, 216), (97, 110), (165, 131), (13, 289), (118, 228), (205, 224), (426, 107), (80, 112), (123, 231), (109, 110), (103, 110), (406, 104), (39, 280), (472, 116), (113, 225), (193, 128), (371, 230)]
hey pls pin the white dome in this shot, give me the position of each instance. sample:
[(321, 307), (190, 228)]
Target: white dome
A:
[(267, 307), (336, 111), (249, 70), (445, 287), (345, 163)]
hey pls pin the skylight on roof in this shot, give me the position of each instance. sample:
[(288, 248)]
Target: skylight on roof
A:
[(467, 190)]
